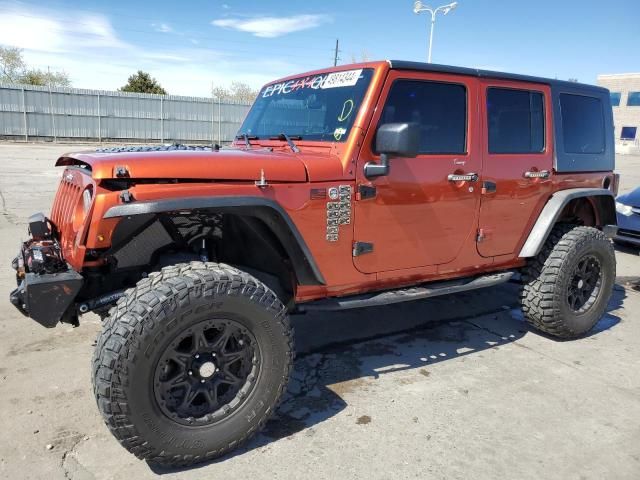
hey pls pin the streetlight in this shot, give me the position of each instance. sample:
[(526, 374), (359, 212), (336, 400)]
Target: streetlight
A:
[(419, 7)]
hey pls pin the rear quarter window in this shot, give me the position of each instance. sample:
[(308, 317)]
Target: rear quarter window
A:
[(583, 126)]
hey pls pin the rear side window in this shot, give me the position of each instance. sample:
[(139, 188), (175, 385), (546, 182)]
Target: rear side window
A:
[(515, 121), (439, 108), (582, 123)]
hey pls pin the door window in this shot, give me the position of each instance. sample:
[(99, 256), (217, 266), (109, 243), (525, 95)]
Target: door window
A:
[(515, 121), (439, 108)]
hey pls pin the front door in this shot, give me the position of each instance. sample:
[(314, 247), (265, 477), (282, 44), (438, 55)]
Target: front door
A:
[(517, 162), (418, 217)]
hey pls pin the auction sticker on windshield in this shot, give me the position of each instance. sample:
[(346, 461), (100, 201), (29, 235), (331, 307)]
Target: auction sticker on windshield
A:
[(342, 79), (348, 78)]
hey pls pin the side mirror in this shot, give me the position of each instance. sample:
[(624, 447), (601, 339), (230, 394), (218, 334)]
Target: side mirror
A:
[(393, 139)]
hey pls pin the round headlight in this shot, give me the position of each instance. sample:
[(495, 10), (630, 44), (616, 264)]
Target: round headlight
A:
[(623, 209), (87, 196)]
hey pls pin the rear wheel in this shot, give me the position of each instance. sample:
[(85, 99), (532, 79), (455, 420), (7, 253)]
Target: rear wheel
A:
[(568, 285), (192, 362)]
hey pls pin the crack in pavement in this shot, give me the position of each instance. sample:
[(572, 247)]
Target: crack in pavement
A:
[(11, 218), (69, 464), (573, 366)]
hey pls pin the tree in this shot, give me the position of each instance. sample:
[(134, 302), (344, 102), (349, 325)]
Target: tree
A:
[(238, 91), (12, 65), (142, 82), (13, 69), (42, 78), (243, 92)]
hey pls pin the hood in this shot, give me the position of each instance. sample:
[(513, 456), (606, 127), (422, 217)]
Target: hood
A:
[(632, 198), (231, 164)]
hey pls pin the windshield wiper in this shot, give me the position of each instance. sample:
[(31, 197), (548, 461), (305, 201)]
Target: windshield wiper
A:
[(284, 136), (246, 139)]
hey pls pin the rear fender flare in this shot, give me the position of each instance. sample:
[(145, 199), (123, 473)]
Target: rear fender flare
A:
[(603, 202), (266, 210)]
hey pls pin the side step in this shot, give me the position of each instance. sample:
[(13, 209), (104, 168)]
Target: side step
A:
[(387, 297)]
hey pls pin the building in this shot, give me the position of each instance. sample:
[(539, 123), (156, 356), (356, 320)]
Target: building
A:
[(625, 99)]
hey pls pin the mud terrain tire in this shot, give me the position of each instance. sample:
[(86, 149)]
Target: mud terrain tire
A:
[(175, 322), (567, 287)]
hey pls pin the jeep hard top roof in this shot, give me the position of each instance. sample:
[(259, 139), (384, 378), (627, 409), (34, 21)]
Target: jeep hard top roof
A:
[(439, 68), (476, 72)]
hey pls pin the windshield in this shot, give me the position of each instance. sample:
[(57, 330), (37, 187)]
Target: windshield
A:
[(319, 107)]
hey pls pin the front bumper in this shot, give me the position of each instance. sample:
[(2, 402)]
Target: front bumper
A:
[(628, 229), (47, 286), (48, 297)]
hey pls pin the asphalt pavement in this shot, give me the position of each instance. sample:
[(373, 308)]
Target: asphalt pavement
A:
[(454, 387)]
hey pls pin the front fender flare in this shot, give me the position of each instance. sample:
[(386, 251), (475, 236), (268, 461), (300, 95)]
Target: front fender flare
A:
[(604, 203), (266, 210)]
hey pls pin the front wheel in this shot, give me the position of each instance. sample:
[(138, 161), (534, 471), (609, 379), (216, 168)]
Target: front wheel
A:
[(568, 285), (192, 362)]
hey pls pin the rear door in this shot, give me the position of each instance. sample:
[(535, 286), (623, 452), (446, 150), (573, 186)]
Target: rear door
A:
[(418, 217), (517, 164)]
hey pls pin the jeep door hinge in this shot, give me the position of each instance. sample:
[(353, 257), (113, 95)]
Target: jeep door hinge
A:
[(360, 248), (366, 192)]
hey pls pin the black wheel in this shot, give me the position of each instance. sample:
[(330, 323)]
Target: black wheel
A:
[(192, 362), (568, 285)]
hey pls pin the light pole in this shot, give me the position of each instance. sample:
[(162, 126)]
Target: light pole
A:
[(419, 7)]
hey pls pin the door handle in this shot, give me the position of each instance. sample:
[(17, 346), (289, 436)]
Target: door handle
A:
[(540, 174), (465, 177)]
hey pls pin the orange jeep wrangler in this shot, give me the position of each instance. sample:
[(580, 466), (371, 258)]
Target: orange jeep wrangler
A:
[(354, 186)]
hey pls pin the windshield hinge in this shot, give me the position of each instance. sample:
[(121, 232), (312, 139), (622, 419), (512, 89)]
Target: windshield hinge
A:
[(262, 183)]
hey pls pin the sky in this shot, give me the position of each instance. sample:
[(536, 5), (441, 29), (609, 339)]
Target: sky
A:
[(190, 45)]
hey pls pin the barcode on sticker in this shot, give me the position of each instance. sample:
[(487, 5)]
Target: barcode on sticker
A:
[(342, 79)]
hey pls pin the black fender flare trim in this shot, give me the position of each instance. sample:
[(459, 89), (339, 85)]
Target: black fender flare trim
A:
[(604, 204), (270, 212)]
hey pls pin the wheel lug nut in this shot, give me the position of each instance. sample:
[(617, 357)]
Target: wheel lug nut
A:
[(190, 372), (197, 355), (202, 381), (213, 354)]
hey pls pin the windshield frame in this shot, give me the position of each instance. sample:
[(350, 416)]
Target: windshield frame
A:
[(310, 83)]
